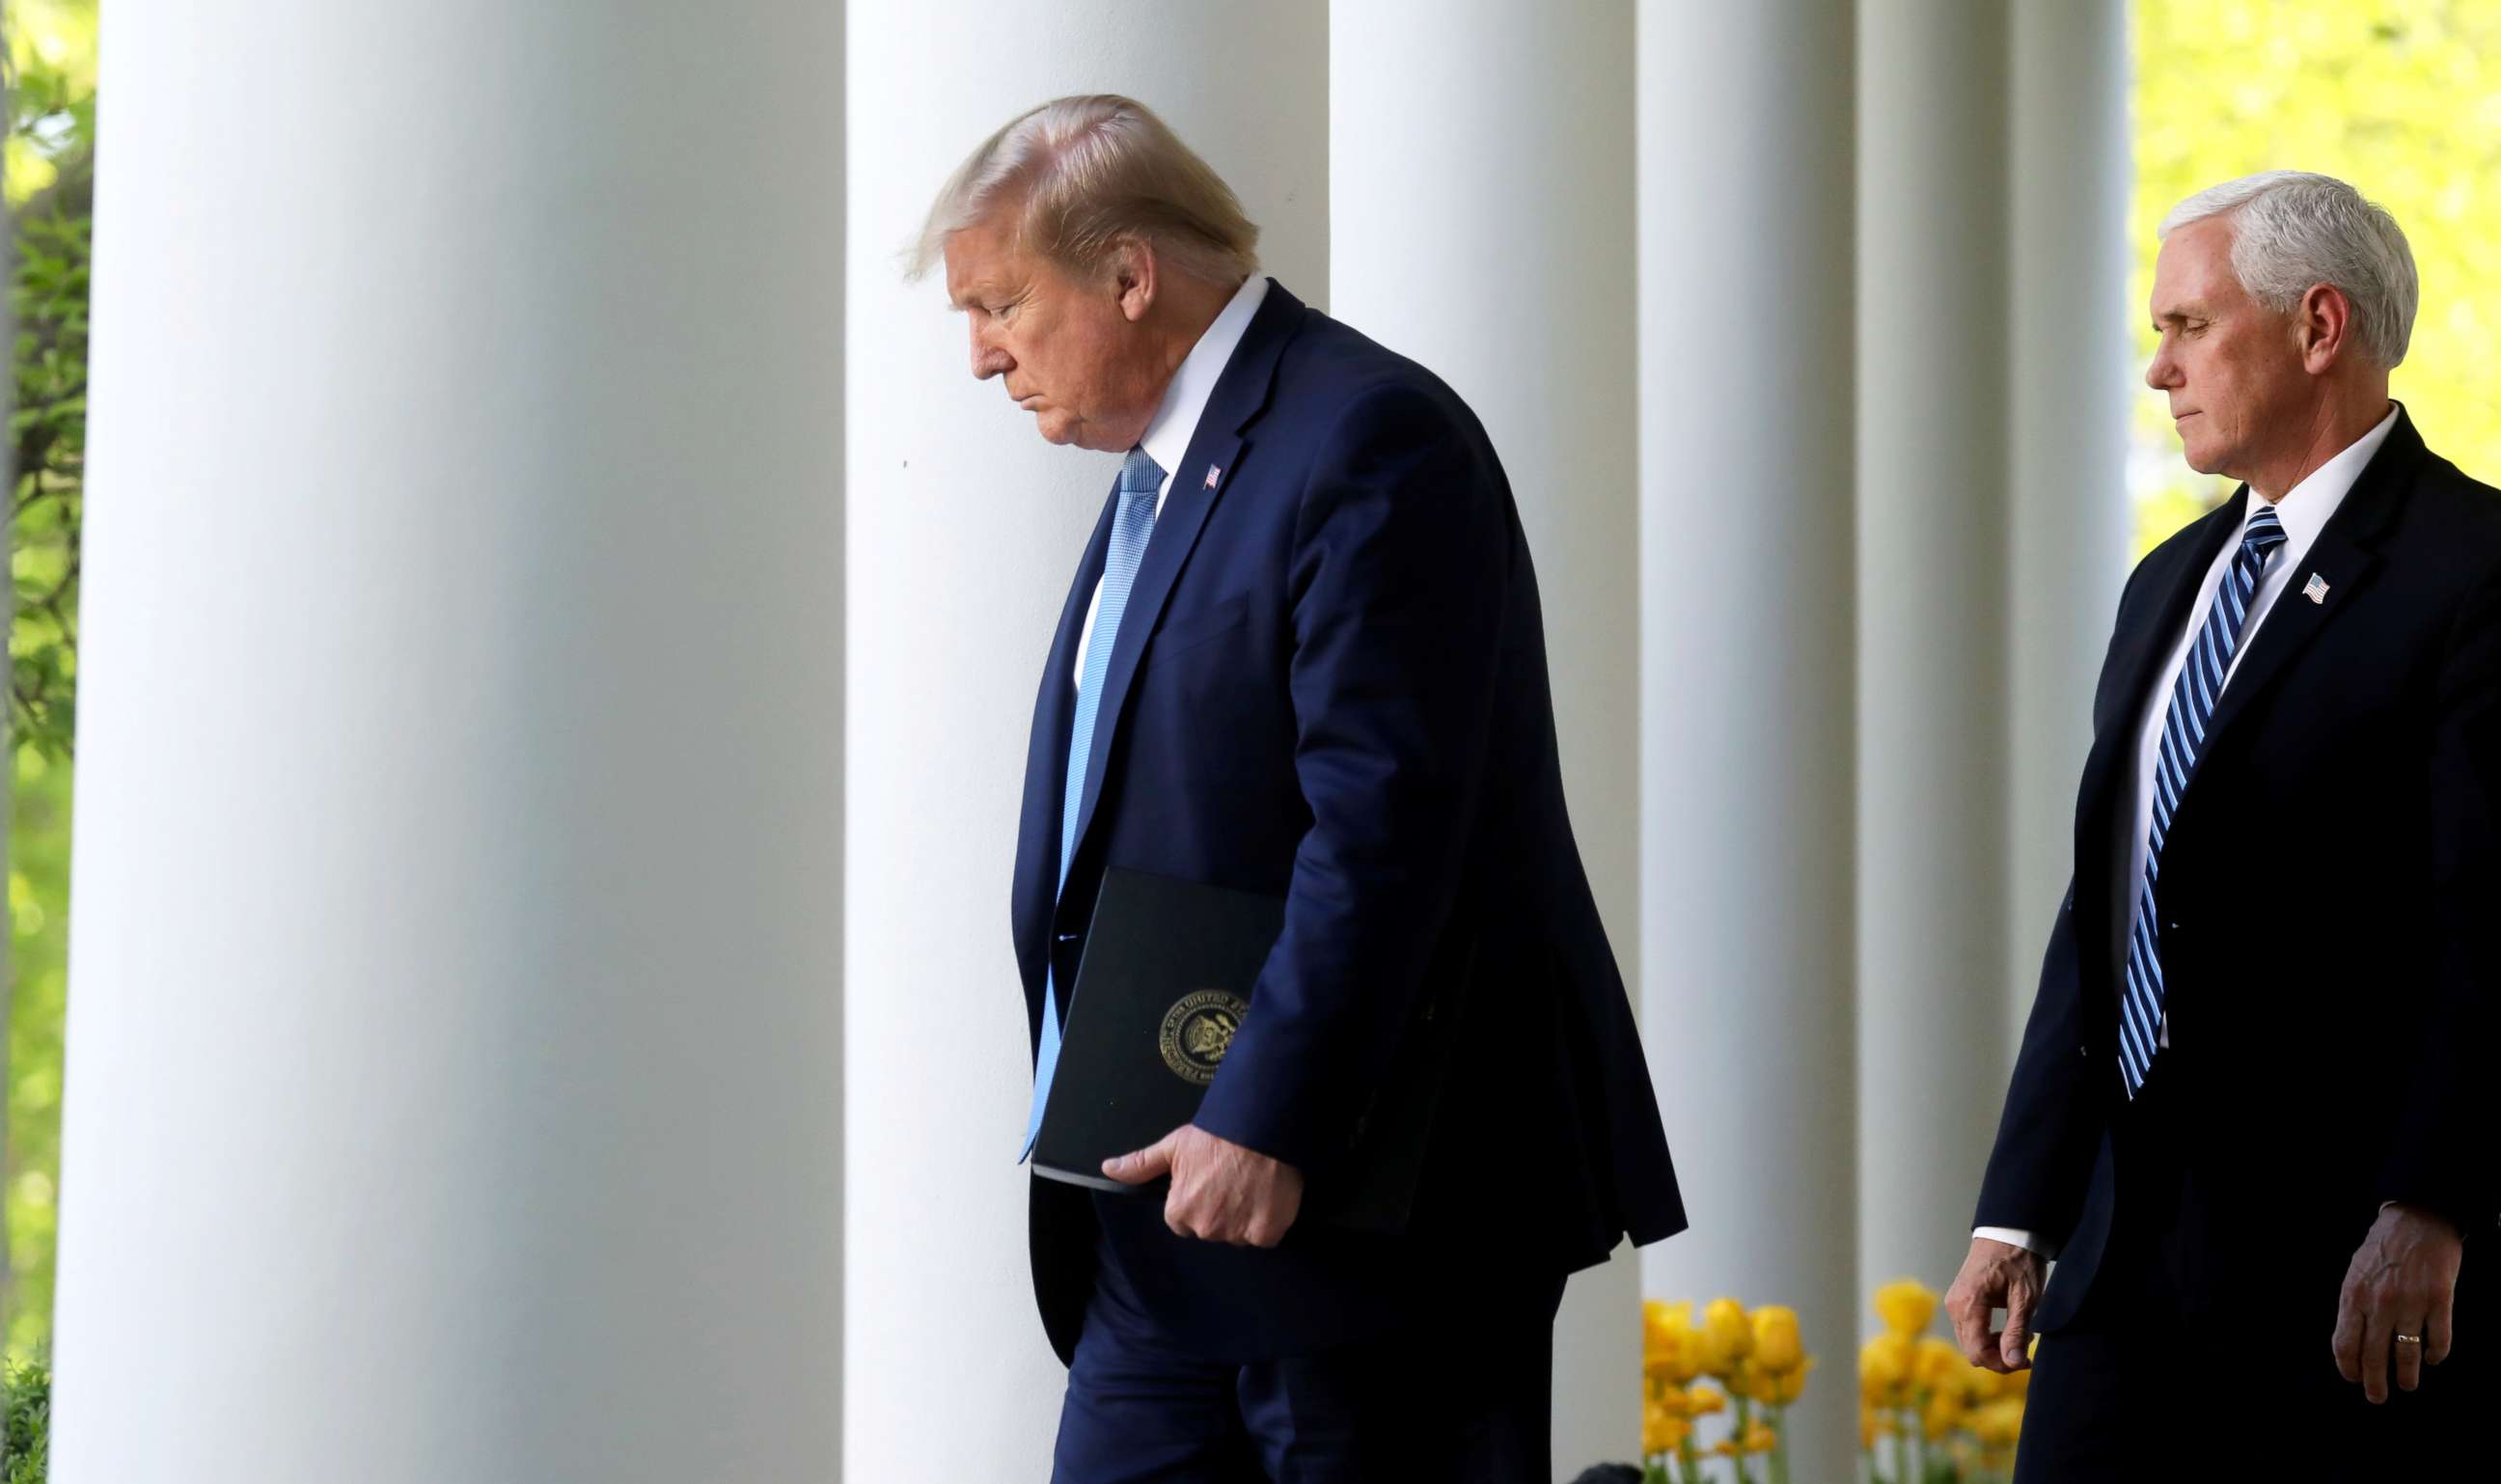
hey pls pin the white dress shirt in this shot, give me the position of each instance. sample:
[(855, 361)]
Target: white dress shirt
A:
[(2304, 511), (1176, 419)]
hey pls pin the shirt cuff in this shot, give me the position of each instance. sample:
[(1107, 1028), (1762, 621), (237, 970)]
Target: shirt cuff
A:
[(2014, 1238)]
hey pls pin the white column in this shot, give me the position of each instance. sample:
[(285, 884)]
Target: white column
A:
[(453, 1081), (1481, 170), (2071, 377), (965, 532), (1933, 586), (1746, 571)]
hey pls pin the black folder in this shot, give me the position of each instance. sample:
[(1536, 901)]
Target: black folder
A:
[(1165, 979)]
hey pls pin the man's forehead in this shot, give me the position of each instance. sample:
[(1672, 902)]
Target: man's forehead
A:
[(2192, 272), (980, 260)]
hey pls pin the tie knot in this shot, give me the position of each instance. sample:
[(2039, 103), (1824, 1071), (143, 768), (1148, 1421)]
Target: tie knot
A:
[(2264, 531), (1141, 474)]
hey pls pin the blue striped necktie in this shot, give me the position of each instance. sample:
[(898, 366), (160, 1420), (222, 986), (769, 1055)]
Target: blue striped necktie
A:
[(1140, 480), (2183, 734)]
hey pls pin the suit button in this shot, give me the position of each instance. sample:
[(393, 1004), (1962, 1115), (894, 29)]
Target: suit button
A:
[(2087, 1052)]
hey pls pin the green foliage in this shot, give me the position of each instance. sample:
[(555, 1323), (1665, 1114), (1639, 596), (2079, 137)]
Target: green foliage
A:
[(47, 434), (25, 1430), (38, 951), (2400, 98), (50, 56)]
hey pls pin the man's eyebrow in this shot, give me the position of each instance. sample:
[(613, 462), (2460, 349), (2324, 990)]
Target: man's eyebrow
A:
[(2193, 309)]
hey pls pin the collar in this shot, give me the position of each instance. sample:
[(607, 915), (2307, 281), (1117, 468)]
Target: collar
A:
[(1168, 434), (2304, 507)]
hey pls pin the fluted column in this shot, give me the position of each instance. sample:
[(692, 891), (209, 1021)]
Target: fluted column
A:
[(1746, 617), (965, 531), (1934, 602), (1481, 170), (2071, 377), (454, 1079)]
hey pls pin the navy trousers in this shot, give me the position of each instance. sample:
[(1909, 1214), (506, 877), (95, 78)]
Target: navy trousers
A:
[(2175, 1367), (1461, 1397)]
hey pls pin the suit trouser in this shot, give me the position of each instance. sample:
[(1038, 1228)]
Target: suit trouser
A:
[(2201, 1354), (1462, 1397)]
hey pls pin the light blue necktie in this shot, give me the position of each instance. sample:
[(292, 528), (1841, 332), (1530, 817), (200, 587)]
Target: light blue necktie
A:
[(1140, 478), (2183, 734)]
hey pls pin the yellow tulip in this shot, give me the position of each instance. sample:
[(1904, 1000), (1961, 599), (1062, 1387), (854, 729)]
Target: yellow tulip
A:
[(1662, 1431), (1780, 1389), (1705, 1401), (1760, 1438), (1727, 1337), (1885, 1371), (1672, 1348), (1998, 1424), (1906, 1306), (2017, 1384), (1874, 1423), (1777, 1344), (1942, 1415), (1938, 1366), (1982, 1386)]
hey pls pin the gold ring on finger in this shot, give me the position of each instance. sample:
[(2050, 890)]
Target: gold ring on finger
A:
[(2409, 1339)]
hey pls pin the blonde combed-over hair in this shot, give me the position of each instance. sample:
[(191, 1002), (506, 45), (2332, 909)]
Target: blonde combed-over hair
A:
[(1084, 173)]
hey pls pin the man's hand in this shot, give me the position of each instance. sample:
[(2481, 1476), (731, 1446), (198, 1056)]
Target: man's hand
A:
[(1221, 1191), (1996, 1275), (2400, 1282)]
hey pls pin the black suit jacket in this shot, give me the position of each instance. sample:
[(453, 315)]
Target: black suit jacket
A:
[(2330, 908), (1330, 686)]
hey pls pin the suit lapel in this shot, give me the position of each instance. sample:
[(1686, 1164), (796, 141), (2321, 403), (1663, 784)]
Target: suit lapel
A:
[(1206, 471), (2138, 654), (2342, 558)]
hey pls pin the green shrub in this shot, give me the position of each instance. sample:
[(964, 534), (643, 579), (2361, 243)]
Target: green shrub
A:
[(25, 1432)]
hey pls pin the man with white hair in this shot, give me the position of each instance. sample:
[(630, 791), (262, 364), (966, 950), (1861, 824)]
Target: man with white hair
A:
[(1302, 656), (2246, 1119)]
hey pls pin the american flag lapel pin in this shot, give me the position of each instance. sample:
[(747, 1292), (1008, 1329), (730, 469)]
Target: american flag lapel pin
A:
[(1213, 475), (2317, 591)]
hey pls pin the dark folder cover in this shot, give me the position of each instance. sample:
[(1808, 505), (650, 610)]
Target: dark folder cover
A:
[(1164, 982)]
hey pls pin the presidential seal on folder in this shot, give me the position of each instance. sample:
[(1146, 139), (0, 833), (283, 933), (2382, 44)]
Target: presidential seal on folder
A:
[(1164, 984)]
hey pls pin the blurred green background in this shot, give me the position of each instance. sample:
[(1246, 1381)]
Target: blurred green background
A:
[(49, 172)]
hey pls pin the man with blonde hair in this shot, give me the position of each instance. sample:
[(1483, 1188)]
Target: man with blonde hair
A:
[(1302, 657), (2246, 1118)]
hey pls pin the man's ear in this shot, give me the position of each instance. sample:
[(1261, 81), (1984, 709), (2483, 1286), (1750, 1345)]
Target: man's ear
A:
[(1134, 271), (2322, 327)]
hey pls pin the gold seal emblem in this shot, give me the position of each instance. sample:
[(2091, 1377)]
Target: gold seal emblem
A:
[(1197, 1032)]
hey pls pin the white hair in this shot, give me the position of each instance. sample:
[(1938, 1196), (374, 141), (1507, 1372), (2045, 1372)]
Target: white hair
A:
[(1084, 173), (2292, 231)]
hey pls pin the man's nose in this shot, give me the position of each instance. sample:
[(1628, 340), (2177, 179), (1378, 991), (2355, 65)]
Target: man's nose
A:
[(2158, 372), (989, 360)]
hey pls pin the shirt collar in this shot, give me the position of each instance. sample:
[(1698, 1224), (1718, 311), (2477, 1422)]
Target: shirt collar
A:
[(1176, 420), (2306, 508)]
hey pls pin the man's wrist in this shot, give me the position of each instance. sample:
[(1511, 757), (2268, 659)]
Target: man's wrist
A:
[(2016, 1236)]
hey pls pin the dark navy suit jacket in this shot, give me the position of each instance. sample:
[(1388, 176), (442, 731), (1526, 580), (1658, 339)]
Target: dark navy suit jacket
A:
[(2326, 914), (1330, 686)]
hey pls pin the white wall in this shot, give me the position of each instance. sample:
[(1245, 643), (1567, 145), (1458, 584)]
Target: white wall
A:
[(1746, 601), (2066, 493), (1934, 600), (454, 1046)]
